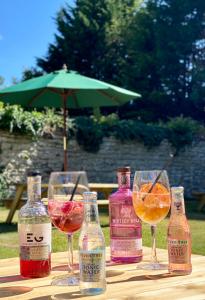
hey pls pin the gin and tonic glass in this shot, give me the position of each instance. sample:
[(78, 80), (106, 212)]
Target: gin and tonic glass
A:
[(65, 208), (151, 201)]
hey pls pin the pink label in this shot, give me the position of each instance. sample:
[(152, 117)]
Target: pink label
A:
[(178, 251), (122, 247)]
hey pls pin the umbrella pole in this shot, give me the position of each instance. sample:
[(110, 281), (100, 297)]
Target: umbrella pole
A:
[(65, 133)]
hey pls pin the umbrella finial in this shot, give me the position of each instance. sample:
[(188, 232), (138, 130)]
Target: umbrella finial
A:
[(65, 68)]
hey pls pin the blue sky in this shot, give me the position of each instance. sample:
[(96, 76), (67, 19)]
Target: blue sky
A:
[(26, 29)]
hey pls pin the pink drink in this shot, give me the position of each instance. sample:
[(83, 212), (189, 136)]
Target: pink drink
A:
[(179, 237), (66, 215), (34, 228), (125, 226)]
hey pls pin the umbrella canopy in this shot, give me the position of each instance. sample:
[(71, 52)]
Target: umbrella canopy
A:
[(67, 89)]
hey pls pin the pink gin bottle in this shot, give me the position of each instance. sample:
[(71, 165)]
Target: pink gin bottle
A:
[(125, 226)]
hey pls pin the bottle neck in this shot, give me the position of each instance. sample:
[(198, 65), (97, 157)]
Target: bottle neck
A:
[(123, 180), (34, 189), (91, 213), (178, 206)]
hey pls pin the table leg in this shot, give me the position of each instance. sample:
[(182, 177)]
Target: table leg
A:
[(201, 203), (19, 192)]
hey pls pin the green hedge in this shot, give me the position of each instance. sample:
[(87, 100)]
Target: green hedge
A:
[(180, 132), (89, 131)]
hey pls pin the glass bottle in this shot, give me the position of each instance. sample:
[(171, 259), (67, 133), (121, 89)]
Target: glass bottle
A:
[(91, 249), (179, 237), (34, 229), (125, 226)]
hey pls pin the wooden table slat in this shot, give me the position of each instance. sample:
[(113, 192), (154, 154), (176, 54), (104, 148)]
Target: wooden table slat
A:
[(124, 282)]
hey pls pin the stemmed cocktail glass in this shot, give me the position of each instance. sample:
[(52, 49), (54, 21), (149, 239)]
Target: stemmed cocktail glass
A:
[(65, 208), (151, 201)]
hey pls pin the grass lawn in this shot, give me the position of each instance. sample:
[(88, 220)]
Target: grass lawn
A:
[(9, 237)]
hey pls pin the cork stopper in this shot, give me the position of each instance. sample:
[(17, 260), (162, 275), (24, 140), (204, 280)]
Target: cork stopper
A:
[(123, 170)]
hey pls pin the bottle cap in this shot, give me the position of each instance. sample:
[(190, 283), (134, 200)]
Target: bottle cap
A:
[(177, 189), (123, 170), (90, 196), (33, 173)]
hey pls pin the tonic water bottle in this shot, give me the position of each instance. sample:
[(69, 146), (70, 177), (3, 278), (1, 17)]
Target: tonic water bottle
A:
[(179, 237), (91, 249), (34, 229), (125, 226)]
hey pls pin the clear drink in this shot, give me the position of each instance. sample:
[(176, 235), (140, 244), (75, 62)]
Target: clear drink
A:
[(91, 249), (179, 237), (125, 226)]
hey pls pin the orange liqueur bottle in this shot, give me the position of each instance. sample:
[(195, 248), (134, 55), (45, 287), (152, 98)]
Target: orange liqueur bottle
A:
[(179, 237)]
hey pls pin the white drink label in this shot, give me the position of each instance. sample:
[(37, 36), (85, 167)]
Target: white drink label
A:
[(91, 265), (35, 241)]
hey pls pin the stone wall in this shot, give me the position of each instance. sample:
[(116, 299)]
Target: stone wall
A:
[(19, 153)]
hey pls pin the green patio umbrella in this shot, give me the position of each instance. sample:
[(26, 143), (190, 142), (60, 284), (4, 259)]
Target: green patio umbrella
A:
[(66, 89)]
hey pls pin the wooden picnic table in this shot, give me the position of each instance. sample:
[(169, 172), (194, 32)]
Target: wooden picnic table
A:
[(124, 282), (105, 188)]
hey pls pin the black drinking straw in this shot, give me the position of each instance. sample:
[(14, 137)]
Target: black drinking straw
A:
[(167, 163), (75, 187)]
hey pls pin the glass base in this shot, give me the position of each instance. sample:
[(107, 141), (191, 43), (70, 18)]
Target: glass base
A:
[(65, 280), (152, 266)]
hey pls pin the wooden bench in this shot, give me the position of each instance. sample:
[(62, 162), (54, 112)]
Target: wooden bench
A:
[(200, 196), (103, 203)]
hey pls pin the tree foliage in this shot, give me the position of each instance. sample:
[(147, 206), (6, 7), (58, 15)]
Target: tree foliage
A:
[(153, 47), (167, 58)]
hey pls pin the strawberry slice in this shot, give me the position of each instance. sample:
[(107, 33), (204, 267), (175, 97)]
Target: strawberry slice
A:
[(67, 207)]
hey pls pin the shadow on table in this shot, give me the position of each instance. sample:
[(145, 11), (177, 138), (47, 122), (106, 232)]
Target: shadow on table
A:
[(14, 291), (144, 278), (76, 266), (63, 296), (11, 278), (110, 273), (65, 268)]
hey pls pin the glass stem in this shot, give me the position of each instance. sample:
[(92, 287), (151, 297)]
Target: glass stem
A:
[(154, 253), (70, 253)]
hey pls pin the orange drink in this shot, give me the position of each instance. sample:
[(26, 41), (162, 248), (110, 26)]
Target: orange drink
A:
[(154, 206)]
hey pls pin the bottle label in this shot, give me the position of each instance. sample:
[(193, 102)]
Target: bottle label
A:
[(126, 248), (92, 265), (178, 251), (178, 207), (35, 241), (123, 214)]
